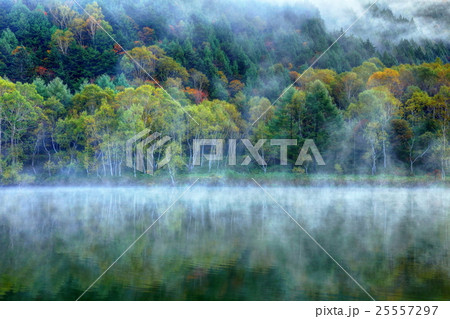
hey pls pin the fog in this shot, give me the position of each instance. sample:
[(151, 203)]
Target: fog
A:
[(430, 17), (422, 19), (224, 243), (236, 243)]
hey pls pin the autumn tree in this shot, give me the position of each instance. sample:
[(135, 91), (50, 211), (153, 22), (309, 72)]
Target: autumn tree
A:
[(62, 15), (146, 35), (166, 68), (375, 109), (235, 86), (140, 63), (62, 40), (389, 78), (93, 17), (199, 80), (347, 88), (441, 150), (78, 28)]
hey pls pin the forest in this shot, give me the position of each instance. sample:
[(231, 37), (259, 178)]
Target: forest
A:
[(78, 79)]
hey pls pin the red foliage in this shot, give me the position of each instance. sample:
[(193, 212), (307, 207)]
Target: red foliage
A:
[(118, 49), (196, 96), (43, 72)]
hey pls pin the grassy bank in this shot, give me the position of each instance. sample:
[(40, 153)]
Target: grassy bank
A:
[(232, 178)]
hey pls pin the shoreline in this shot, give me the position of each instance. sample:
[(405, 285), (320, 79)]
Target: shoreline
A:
[(233, 180)]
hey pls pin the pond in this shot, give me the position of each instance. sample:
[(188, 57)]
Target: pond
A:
[(225, 243)]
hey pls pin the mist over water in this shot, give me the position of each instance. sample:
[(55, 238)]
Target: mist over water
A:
[(224, 243)]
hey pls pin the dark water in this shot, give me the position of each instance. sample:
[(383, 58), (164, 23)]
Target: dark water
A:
[(224, 244)]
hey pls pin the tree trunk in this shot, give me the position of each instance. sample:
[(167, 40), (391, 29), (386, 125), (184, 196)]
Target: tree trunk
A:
[(354, 153), (374, 160), (411, 161), (1, 167), (443, 159), (172, 175), (49, 157), (13, 156)]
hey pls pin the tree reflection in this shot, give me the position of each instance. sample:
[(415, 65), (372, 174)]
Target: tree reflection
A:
[(212, 246)]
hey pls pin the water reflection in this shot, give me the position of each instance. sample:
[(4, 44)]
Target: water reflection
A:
[(224, 244)]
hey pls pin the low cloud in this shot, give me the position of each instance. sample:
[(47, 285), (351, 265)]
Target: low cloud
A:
[(429, 18)]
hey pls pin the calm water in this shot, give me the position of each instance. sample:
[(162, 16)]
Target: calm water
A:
[(224, 244)]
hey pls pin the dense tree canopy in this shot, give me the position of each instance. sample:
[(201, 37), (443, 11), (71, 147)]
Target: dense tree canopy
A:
[(70, 96)]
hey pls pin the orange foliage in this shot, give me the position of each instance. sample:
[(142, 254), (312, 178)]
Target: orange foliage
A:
[(118, 49), (146, 35), (17, 50), (236, 86), (293, 75), (389, 78), (196, 95)]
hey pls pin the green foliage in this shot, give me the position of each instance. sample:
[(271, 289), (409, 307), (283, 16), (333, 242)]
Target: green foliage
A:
[(54, 40), (105, 82), (322, 118), (70, 96)]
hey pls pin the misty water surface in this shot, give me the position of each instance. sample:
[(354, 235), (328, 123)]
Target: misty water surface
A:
[(224, 244)]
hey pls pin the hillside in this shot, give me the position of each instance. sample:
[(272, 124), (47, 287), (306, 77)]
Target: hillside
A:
[(77, 82)]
